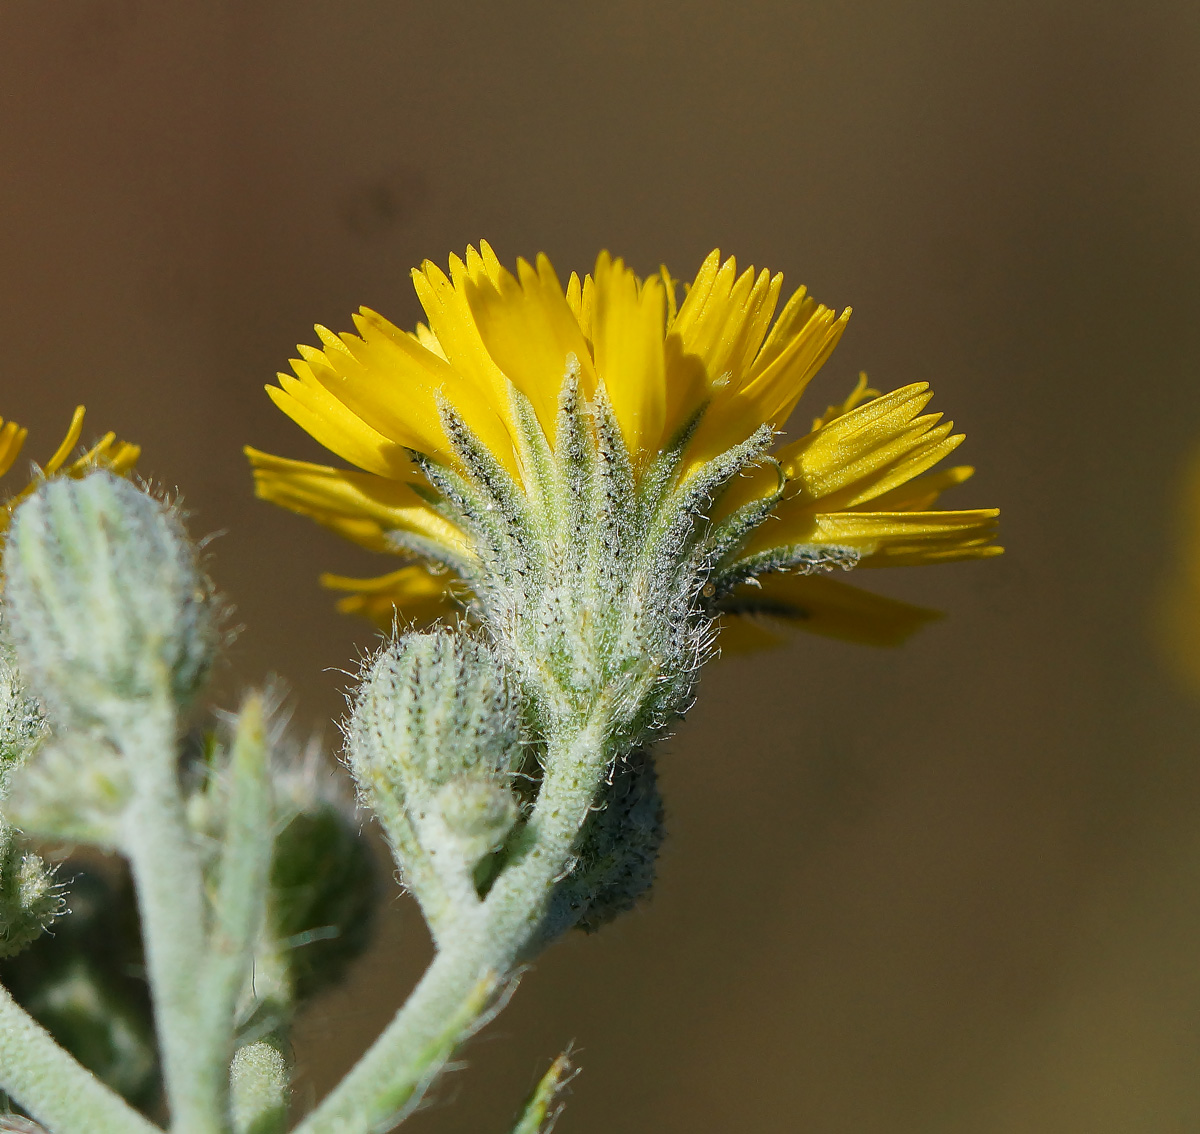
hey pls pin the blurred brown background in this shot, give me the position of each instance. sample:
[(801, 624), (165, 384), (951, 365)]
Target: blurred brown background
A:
[(949, 888)]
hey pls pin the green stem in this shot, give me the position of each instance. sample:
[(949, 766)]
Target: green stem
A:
[(481, 957), (241, 892), (170, 890), (52, 1086)]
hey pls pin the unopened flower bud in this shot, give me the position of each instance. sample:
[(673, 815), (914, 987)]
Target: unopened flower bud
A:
[(260, 1082), (431, 707), (106, 603), (30, 899), (472, 813), (618, 851), (75, 790), (433, 740), (323, 895)]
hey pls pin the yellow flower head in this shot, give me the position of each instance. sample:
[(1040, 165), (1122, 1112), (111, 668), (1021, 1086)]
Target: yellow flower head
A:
[(488, 389), (108, 452)]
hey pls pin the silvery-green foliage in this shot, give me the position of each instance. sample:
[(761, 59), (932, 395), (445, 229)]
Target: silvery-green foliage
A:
[(593, 578), (545, 1103), (506, 758), (432, 707), (433, 739), (323, 882), (22, 725), (597, 584), (104, 598), (324, 887), (617, 852), (474, 812), (75, 789), (30, 899)]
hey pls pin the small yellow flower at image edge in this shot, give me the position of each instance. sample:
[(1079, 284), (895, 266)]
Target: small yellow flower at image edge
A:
[(110, 453), (698, 377)]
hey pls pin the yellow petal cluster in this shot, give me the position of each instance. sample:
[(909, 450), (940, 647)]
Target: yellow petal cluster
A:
[(857, 481), (108, 452), (725, 360), (820, 605)]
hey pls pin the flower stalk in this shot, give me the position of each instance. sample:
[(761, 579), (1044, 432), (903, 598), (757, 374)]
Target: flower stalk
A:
[(170, 888), (488, 945)]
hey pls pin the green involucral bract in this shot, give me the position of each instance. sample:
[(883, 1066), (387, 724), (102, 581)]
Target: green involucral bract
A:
[(595, 587), (594, 583)]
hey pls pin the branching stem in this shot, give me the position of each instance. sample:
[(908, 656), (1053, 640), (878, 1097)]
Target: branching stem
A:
[(464, 978), (241, 891), (170, 890)]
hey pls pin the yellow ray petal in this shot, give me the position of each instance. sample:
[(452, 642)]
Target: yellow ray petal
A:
[(868, 527), (403, 369), (108, 452), (529, 330), (397, 401), (861, 393), (68, 442), (329, 422), (687, 386), (926, 554), (452, 323), (846, 436), (920, 494), (697, 296), (414, 596), (429, 341), (366, 508), (581, 299), (775, 387), (12, 439), (821, 605), (880, 536), (628, 336), (483, 263), (769, 393), (795, 316), (669, 284), (864, 453), (725, 330)]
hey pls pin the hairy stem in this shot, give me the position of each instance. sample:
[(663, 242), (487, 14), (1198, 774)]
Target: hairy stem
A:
[(241, 891), (480, 957), (52, 1086), (170, 892)]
